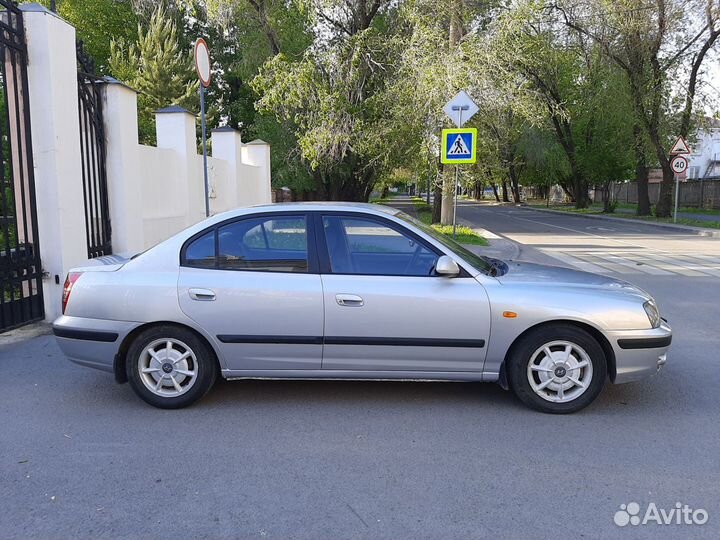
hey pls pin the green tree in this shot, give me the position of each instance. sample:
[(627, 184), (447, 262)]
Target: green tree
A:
[(585, 105), (652, 43), (430, 67), (332, 96), (243, 35), (98, 23), (158, 68)]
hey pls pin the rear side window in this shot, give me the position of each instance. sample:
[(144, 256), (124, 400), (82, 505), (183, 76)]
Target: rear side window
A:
[(270, 244), (265, 244), (200, 253)]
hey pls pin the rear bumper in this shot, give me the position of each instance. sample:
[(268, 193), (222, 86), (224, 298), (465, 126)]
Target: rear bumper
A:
[(91, 342), (640, 353)]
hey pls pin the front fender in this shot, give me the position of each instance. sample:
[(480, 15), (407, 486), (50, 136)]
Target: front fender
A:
[(603, 311)]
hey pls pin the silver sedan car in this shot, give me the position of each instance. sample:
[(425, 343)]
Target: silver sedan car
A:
[(352, 291)]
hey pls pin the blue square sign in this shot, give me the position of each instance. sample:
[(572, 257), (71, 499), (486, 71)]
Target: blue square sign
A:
[(458, 145)]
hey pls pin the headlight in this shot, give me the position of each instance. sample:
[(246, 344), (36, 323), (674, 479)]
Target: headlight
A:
[(652, 313)]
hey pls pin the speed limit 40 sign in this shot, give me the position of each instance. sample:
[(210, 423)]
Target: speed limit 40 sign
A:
[(679, 164)]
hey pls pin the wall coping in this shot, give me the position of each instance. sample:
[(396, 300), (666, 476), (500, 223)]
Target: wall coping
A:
[(174, 109), (39, 8)]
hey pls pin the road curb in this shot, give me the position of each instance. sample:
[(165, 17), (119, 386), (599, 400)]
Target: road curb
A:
[(508, 249), (699, 231), (498, 248)]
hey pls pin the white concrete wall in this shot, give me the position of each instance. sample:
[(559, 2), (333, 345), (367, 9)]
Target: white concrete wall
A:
[(154, 192), (172, 181)]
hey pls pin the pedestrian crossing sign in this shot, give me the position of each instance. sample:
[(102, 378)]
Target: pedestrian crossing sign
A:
[(458, 145)]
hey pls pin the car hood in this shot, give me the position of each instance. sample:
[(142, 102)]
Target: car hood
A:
[(523, 272)]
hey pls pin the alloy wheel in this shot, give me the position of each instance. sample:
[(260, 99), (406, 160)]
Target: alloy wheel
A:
[(560, 371), (168, 367)]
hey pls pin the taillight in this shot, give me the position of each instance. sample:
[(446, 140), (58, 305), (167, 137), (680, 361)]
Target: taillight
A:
[(70, 280)]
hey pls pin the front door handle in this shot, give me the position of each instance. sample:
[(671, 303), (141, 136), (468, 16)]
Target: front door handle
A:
[(203, 295), (349, 300)]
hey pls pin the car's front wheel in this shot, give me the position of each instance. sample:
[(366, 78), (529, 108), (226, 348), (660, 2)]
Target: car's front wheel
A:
[(170, 367), (557, 369)]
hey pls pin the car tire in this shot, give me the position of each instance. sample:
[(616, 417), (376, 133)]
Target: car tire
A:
[(564, 381), (170, 367)]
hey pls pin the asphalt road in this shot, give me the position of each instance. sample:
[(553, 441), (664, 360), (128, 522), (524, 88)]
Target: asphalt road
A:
[(81, 457)]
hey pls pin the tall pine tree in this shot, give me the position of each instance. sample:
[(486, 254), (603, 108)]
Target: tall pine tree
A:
[(157, 68)]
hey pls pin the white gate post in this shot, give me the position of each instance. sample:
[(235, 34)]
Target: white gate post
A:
[(123, 167), (53, 102)]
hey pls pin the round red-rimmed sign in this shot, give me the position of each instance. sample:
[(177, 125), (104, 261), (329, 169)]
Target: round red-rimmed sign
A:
[(202, 61), (679, 164)]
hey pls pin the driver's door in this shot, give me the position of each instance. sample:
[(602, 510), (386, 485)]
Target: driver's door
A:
[(386, 310)]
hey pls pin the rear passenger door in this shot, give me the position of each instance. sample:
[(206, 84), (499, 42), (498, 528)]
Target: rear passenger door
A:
[(252, 283)]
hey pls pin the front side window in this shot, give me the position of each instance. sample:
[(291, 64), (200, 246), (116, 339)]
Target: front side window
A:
[(271, 244), (363, 246), (483, 264)]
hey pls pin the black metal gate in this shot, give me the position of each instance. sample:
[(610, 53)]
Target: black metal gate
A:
[(92, 149), (20, 269)]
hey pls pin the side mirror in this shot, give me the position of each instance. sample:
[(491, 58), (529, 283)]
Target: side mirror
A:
[(447, 267)]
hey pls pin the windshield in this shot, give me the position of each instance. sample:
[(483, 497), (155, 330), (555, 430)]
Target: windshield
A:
[(483, 264)]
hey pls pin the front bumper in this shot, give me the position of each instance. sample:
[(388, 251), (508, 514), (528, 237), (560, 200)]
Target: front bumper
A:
[(91, 342), (639, 353)]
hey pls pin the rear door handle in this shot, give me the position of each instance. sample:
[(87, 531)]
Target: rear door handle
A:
[(349, 300), (203, 295)]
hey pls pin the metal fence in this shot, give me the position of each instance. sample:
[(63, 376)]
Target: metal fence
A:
[(93, 153), (703, 193), (20, 268)]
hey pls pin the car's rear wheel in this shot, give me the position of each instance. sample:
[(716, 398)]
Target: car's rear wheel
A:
[(557, 369), (170, 367)]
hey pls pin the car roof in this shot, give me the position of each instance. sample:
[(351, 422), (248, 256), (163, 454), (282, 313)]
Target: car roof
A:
[(326, 205), (165, 253), (376, 209)]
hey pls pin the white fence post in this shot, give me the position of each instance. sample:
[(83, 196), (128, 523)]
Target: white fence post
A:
[(123, 167), (53, 101), (175, 130), (226, 145), (258, 189)]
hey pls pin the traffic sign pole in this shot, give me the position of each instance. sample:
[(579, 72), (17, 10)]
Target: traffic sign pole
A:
[(677, 193), (201, 55), (204, 147), (461, 103), (457, 172), (460, 109), (679, 165)]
